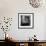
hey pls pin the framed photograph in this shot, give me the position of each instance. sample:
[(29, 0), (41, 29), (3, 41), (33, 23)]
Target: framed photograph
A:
[(25, 20)]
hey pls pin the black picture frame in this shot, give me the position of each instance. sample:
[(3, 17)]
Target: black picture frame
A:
[(25, 20)]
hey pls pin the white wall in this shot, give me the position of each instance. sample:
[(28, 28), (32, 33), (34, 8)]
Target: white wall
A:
[(11, 8)]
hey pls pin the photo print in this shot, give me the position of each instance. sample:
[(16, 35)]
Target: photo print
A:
[(25, 20)]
